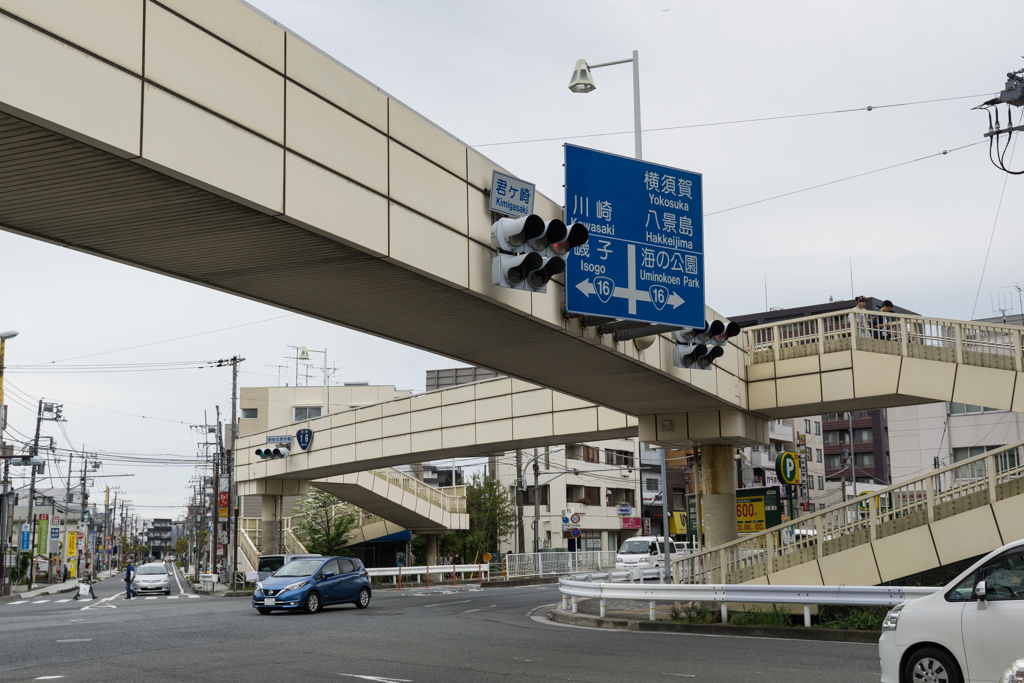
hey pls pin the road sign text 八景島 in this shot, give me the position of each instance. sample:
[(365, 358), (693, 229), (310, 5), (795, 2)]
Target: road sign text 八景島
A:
[(645, 257)]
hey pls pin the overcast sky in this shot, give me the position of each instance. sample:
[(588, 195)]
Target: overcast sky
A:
[(497, 72)]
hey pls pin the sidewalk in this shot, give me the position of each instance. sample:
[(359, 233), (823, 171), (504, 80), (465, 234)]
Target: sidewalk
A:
[(52, 589)]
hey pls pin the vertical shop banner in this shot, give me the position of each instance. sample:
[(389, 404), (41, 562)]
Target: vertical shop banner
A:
[(224, 504), (42, 534), (72, 544)]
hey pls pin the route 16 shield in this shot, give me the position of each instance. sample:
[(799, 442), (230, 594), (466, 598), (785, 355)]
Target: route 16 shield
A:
[(304, 437)]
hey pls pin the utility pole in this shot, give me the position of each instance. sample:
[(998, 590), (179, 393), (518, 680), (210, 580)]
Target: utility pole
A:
[(232, 437), (67, 509), (32, 493), (5, 520), (216, 494), (853, 457), (519, 501), (668, 546), (84, 552), (536, 503)]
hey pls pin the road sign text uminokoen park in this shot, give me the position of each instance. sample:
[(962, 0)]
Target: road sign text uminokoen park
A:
[(645, 257)]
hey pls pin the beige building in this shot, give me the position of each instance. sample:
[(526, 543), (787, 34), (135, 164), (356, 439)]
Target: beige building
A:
[(263, 408), (924, 437), (606, 475)]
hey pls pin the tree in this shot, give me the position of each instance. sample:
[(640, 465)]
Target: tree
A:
[(325, 522), (492, 518), (180, 547)]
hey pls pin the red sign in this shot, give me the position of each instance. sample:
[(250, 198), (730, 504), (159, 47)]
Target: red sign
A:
[(80, 535), (631, 523), (43, 518), (224, 499)]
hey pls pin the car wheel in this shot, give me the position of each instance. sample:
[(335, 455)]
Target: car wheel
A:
[(263, 610), (364, 598), (931, 665), (312, 602)]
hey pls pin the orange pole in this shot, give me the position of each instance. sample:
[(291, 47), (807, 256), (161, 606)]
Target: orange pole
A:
[(455, 576), (428, 576), (399, 577)]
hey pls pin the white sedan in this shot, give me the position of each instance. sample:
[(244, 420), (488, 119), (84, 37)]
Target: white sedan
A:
[(152, 578), (969, 632)]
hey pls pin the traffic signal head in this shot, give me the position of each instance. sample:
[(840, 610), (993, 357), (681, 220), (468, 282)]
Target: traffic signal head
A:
[(687, 355), (554, 232), (538, 279), (730, 331), (705, 361), (511, 234), (576, 235), (280, 452), (687, 334), (510, 270)]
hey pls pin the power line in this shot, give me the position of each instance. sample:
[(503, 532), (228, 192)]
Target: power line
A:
[(833, 182), (729, 123), (992, 236)]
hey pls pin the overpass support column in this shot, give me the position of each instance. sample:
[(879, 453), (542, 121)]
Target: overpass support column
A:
[(271, 520), (272, 493), (718, 486), (431, 549)]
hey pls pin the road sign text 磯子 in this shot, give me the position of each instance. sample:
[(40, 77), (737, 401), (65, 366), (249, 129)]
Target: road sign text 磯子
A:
[(644, 260)]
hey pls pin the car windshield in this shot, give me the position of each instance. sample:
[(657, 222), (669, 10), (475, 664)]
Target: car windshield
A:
[(299, 568), (155, 569), (635, 547), (271, 564)]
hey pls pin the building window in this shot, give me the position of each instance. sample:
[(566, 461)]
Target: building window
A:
[(834, 438), (250, 413), (817, 428), (812, 507), (653, 485), (528, 495), (300, 413), (821, 483), (810, 483), (807, 426), (620, 458), (778, 446), (817, 454), (678, 499), (616, 497), (866, 461), (574, 452), (591, 454), (591, 539), (864, 435), (834, 462), (592, 495)]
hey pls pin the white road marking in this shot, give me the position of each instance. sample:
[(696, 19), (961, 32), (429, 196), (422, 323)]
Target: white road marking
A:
[(67, 600), (687, 675), (154, 597), (46, 678), (470, 611), (457, 602), (39, 602), (194, 596), (75, 640), (379, 679), (173, 597), (176, 579)]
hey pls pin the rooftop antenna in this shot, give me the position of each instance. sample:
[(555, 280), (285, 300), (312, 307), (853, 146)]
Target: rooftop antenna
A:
[(853, 294), (1019, 286), (278, 372), (1003, 307)]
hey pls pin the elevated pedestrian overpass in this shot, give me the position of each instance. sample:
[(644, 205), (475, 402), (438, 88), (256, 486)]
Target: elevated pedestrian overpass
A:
[(936, 519)]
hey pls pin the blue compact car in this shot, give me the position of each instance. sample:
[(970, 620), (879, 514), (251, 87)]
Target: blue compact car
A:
[(313, 583)]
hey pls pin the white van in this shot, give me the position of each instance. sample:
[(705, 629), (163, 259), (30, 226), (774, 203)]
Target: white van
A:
[(968, 632), (645, 552)]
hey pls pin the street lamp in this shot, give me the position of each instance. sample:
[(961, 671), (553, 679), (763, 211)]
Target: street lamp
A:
[(4, 336), (583, 82)]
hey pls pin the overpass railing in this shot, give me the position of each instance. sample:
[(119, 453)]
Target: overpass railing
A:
[(939, 494), (952, 341), (449, 502)]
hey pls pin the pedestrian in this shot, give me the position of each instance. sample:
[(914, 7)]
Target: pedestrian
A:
[(883, 324), (861, 319), (129, 577), (85, 585), (64, 576)]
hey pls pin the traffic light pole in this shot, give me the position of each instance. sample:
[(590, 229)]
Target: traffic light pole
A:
[(32, 494), (4, 523)]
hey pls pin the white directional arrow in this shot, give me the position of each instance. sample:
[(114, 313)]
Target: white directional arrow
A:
[(587, 287), (674, 300)]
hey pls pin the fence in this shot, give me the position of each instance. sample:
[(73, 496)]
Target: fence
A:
[(398, 574), (541, 564), (575, 587), (965, 485), (971, 343)]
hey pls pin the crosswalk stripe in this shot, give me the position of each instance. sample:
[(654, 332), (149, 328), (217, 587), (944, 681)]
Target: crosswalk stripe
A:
[(39, 602), (67, 600), (194, 596), (173, 597), (152, 598)]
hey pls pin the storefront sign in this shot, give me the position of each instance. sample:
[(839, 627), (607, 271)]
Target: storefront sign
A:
[(631, 523)]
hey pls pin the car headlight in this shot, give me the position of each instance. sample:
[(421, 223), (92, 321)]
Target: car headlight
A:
[(294, 586), (892, 618), (259, 585), (1015, 674)]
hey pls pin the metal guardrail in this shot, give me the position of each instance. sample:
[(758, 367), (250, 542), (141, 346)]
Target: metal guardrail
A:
[(572, 587), (939, 494), (520, 565)]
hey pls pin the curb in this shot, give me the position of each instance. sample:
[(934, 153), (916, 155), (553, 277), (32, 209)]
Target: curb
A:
[(792, 633), (516, 583)]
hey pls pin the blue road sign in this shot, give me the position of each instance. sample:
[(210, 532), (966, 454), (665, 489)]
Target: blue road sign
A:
[(645, 257), (510, 195), (24, 541), (304, 437)]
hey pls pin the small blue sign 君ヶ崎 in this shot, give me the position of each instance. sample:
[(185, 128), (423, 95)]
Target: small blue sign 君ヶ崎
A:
[(510, 195), (644, 260), (304, 437)]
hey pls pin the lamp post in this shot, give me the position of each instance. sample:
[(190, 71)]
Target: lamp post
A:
[(583, 82), (6, 517)]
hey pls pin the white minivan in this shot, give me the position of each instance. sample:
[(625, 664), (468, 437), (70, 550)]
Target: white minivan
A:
[(969, 632), (645, 552)]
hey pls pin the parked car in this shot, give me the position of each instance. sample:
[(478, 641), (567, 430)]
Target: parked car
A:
[(645, 552), (269, 564), (968, 632), (309, 584), (152, 578)]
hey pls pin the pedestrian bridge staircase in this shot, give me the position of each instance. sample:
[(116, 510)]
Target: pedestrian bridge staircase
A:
[(944, 516), (389, 500)]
